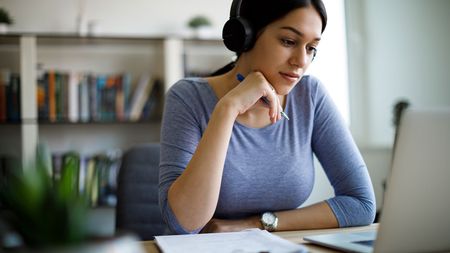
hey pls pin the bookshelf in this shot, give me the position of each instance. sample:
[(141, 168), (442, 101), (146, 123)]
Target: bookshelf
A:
[(167, 59)]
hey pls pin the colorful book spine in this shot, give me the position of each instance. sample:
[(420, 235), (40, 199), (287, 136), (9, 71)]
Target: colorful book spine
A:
[(84, 99), (93, 106), (120, 99), (4, 81), (74, 80), (126, 87), (51, 96), (13, 98), (42, 97), (78, 97), (99, 98), (140, 96), (109, 99)]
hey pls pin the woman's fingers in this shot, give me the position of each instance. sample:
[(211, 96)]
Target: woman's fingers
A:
[(256, 80), (274, 104)]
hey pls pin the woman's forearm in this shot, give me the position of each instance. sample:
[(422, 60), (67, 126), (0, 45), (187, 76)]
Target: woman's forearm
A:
[(316, 216), (194, 195)]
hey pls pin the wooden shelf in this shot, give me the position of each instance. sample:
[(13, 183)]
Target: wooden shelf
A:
[(165, 57)]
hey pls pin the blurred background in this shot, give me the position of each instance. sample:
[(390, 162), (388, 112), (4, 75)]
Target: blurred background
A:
[(374, 53)]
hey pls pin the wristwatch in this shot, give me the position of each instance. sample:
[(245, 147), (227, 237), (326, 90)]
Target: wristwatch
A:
[(269, 221)]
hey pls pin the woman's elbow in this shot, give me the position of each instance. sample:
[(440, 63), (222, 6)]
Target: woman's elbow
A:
[(370, 210)]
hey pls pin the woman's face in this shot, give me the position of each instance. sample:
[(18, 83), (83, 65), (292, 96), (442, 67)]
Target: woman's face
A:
[(286, 47)]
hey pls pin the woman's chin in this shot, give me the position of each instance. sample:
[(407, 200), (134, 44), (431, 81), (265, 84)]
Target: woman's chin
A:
[(283, 91)]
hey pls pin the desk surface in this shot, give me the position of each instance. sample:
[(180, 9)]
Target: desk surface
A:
[(293, 236)]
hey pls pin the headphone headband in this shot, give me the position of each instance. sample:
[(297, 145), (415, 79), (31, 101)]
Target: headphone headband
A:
[(235, 11)]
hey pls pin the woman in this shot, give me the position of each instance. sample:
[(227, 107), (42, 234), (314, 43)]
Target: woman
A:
[(230, 161)]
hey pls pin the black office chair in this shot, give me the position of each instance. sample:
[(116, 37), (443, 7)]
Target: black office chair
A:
[(137, 208)]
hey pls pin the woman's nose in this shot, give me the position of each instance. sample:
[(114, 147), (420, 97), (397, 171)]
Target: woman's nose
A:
[(300, 58)]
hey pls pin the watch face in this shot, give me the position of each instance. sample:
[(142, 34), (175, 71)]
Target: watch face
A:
[(268, 218)]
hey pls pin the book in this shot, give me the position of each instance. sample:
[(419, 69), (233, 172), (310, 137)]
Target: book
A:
[(13, 98), (51, 96), (151, 107), (74, 79), (64, 100), (42, 96), (108, 191), (58, 96), (126, 88), (84, 159), (122, 96), (119, 99), (91, 182), (56, 166), (4, 81), (99, 98), (83, 93), (140, 96), (109, 98)]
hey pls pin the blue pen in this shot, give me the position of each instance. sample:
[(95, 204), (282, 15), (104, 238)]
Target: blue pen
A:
[(240, 78)]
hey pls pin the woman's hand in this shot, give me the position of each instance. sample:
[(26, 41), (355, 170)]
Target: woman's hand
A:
[(220, 225), (250, 91)]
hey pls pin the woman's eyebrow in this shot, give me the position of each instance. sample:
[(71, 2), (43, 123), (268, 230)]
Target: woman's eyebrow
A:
[(292, 29)]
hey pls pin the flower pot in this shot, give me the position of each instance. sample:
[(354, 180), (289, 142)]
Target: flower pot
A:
[(3, 28), (203, 32)]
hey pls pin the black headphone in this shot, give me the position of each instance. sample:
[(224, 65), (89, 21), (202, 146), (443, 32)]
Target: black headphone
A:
[(237, 33)]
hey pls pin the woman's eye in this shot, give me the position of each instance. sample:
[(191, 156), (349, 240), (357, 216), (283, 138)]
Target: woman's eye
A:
[(312, 50), (288, 42)]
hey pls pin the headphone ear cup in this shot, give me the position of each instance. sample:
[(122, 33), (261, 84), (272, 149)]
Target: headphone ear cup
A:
[(237, 35)]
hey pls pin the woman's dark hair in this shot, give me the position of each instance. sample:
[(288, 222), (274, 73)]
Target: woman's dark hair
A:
[(260, 13)]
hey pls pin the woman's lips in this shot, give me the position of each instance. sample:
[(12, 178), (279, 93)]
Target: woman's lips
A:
[(290, 76)]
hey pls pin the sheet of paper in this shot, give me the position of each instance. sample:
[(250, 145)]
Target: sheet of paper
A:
[(247, 241)]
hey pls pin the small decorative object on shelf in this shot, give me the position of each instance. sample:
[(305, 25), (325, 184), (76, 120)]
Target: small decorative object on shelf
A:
[(49, 215), (200, 25), (5, 20)]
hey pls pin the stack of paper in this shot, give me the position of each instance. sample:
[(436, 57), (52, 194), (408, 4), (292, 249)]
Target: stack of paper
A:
[(252, 240)]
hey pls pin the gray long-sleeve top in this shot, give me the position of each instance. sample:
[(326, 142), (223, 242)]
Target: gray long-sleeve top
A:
[(269, 168)]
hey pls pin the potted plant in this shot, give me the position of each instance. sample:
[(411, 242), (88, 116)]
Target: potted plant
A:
[(5, 20), (200, 25), (51, 215)]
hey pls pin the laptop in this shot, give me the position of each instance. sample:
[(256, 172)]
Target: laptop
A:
[(416, 210)]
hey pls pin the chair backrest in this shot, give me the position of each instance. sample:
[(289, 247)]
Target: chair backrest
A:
[(137, 208)]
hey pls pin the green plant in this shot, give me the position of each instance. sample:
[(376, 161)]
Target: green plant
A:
[(5, 18), (45, 212), (198, 21)]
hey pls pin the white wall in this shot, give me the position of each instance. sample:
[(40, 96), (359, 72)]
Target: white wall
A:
[(132, 17), (408, 57), (399, 49)]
